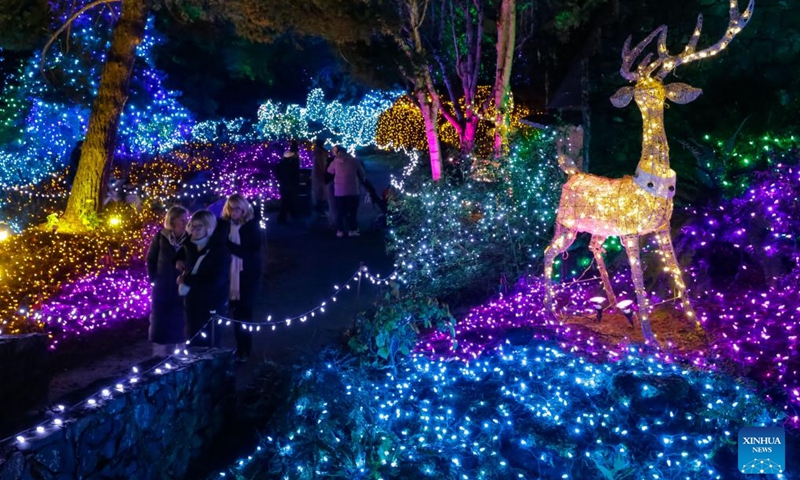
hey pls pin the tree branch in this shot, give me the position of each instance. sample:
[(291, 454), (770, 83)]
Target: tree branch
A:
[(66, 25)]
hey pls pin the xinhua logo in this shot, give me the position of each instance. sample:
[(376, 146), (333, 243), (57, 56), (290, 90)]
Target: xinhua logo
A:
[(762, 450)]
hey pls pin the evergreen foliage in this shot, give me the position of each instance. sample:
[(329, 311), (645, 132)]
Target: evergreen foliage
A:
[(522, 412), (483, 226), (390, 332)]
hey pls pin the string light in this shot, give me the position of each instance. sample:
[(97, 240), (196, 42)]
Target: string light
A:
[(539, 410), (162, 367), (46, 130), (223, 321), (442, 237)]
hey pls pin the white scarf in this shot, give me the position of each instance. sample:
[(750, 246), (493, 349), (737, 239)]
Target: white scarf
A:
[(201, 244), (236, 263)]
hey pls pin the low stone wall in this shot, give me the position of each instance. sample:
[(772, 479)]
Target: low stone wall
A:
[(146, 427), (24, 373)]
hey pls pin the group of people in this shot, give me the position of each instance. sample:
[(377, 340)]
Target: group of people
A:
[(335, 186), (200, 266)]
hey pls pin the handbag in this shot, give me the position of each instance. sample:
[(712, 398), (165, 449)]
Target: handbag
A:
[(184, 289)]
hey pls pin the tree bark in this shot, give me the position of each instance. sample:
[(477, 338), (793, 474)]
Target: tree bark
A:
[(101, 136), (424, 91), (506, 36), (467, 67), (429, 106)]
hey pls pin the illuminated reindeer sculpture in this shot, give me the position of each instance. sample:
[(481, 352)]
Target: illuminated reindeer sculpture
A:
[(631, 207)]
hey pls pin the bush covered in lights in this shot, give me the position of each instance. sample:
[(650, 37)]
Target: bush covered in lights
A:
[(753, 236), (43, 117), (401, 127), (478, 230), (522, 412)]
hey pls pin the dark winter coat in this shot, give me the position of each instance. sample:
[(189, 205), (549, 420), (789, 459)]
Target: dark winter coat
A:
[(249, 250), (209, 287), (166, 313), (288, 172)]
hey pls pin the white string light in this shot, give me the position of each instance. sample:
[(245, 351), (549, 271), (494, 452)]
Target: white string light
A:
[(104, 394)]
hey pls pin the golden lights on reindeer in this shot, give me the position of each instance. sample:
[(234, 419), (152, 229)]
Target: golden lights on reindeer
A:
[(634, 206)]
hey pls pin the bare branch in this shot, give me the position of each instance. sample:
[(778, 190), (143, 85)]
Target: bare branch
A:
[(66, 25)]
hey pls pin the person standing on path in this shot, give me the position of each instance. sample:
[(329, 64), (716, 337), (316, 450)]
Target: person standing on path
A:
[(166, 310), (244, 242), (204, 283), (288, 173), (348, 176), (319, 172)]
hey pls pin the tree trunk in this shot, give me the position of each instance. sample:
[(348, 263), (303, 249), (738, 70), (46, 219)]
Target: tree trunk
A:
[(586, 112), (506, 36), (429, 106), (469, 133), (467, 48), (100, 142)]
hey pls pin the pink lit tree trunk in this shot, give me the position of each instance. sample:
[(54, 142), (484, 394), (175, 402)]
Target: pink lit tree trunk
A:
[(410, 41), (429, 106)]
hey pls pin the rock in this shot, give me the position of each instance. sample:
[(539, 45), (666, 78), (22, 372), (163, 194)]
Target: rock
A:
[(11, 468)]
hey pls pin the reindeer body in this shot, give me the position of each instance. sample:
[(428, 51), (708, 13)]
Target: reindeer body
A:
[(602, 206), (637, 205)]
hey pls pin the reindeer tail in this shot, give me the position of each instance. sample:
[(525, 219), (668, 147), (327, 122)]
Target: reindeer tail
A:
[(569, 145), (568, 165)]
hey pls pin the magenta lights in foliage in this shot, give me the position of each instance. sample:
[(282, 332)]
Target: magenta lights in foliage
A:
[(752, 333), (745, 271), (94, 302)]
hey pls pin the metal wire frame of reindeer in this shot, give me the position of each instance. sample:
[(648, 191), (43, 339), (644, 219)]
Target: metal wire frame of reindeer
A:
[(634, 206)]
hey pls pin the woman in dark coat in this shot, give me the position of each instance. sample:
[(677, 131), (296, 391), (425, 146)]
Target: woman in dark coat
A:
[(244, 242), (205, 280), (166, 312)]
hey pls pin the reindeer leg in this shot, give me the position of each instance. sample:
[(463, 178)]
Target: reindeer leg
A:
[(674, 269), (596, 247), (562, 239), (631, 243)]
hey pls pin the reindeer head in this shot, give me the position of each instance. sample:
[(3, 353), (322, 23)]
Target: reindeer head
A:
[(649, 90)]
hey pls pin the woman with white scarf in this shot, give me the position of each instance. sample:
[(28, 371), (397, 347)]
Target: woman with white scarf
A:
[(204, 282), (244, 243)]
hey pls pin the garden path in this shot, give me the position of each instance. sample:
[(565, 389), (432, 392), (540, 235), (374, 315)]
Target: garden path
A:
[(301, 266)]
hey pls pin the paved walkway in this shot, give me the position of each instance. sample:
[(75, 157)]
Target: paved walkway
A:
[(301, 266)]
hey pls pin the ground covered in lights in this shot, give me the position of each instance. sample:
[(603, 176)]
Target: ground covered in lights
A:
[(521, 411)]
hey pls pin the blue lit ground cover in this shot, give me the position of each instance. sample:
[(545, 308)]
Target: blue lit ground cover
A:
[(519, 412)]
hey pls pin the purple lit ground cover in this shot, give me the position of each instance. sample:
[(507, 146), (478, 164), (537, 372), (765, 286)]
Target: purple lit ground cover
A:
[(748, 333), (751, 317), (97, 301)]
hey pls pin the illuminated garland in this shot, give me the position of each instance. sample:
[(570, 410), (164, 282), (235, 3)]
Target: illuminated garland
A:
[(522, 412), (152, 122), (99, 319)]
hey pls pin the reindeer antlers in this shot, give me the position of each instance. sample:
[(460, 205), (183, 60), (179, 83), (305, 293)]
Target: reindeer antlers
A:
[(669, 62)]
